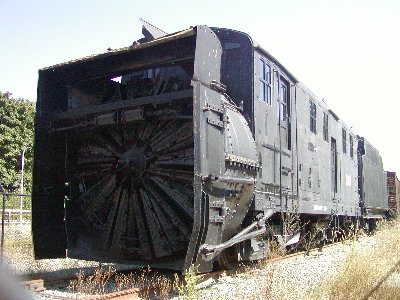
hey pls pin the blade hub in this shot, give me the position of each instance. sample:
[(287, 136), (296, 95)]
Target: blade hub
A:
[(133, 161)]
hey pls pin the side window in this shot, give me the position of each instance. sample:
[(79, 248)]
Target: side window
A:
[(325, 127), (351, 146), (283, 110), (265, 82), (283, 100), (313, 117), (344, 133)]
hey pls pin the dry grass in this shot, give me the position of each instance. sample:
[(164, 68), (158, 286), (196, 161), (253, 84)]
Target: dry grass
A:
[(107, 280), (251, 282), (151, 284), (365, 266), (276, 250), (92, 284), (349, 271), (367, 262)]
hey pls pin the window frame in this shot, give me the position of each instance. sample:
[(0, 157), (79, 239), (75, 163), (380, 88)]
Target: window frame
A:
[(284, 99), (325, 126), (265, 82), (351, 145), (282, 92), (344, 138), (313, 117)]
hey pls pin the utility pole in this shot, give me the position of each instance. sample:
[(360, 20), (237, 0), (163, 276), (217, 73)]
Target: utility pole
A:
[(2, 221), (21, 182)]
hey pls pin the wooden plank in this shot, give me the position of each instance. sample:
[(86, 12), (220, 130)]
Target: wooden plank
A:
[(36, 285)]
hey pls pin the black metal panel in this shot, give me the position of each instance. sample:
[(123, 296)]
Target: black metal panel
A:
[(208, 140), (151, 32), (225, 160), (237, 68), (373, 180), (123, 61), (207, 63), (48, 226)]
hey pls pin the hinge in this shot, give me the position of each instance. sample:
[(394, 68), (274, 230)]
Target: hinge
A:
[(216, 123), (217, 204), (214, 108), (217, 219), (218, 87)]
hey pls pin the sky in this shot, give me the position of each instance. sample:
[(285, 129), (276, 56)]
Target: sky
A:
[(347, 52)]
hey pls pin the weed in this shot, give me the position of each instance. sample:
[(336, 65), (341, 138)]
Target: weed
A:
[(276, 250), (268, 281), (365, 266), (291, 223), (164, 286), (187, 289), (92, 284), (150, 284)]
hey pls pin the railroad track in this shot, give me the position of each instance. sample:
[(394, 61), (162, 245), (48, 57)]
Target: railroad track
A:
[(38, 286), (218, 274)]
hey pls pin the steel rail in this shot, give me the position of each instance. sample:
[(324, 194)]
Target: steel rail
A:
[(134, 293)]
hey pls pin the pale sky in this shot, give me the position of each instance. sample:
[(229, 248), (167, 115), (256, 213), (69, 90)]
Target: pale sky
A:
[(347, 52)]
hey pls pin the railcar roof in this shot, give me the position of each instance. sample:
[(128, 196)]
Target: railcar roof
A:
[(135, 46)]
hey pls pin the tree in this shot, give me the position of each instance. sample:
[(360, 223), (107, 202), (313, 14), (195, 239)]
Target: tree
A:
[(16, 133)]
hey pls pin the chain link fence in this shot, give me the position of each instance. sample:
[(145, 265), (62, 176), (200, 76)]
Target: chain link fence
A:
[(16, 239), (15, 208), (15, 219), (17, 244)]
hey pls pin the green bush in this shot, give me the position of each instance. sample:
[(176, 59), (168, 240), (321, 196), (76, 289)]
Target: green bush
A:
[(16, 133)]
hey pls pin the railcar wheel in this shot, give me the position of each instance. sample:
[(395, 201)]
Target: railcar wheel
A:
[(228, 259)]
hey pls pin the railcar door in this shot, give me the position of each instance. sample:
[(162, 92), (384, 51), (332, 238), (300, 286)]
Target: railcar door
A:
[(333, 168), (283, 108), (284, 141), (274, 96), (265, 129)]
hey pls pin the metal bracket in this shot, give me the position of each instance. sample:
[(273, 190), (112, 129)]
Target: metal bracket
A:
[(229, 179), (214, 108), (216, 123), (218, 87), (216, 219), (217, 204), (210, 251), (242, 161)]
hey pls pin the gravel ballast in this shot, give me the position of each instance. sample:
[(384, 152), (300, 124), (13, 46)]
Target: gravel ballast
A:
[(297, 277)]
